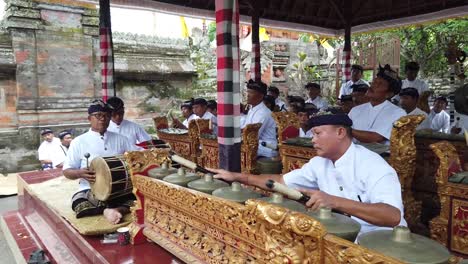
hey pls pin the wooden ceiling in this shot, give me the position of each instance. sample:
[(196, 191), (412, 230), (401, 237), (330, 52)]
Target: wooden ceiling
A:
[(322, 16)]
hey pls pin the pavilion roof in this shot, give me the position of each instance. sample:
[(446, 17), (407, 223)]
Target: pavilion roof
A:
[(326, 17)]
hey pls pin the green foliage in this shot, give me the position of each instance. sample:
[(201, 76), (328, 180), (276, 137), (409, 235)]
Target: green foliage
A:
[(211, 31), (303, 72), (425, 44), (203, 58)]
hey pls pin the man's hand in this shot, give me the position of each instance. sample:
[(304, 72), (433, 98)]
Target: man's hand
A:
[(86, 174), (226, 175), (455, 130), (319, 199)]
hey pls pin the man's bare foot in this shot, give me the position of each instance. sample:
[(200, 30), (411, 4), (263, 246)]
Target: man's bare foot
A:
[(112, 215)]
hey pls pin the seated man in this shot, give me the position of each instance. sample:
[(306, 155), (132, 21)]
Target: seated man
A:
[(343, 176), (200, 106), (259, 113), (187, 113), (66, 138), (212, 107), (135, 133), (313, 90), (346, 103), (304, 130), (356, 78), (269, 102), (440, 120), (409, 100), (373, 121), (274, 91), (97, 142), (411, 71), (49, 151), (359, 93)]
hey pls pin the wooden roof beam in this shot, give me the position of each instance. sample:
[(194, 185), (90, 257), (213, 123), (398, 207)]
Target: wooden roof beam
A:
[(338, 11)]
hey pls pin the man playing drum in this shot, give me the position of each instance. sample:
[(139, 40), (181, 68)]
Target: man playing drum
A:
[(97, 142)]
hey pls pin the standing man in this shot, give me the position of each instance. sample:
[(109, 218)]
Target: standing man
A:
[(409, 100), (440, 120), (49, 150), (135, 133), (66, 138), (259, 113), (356, 75), (343, 176), (97, 142), (313, 90), (373, 121)]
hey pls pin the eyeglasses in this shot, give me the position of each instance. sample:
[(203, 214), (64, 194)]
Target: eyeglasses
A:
[(100, 115)]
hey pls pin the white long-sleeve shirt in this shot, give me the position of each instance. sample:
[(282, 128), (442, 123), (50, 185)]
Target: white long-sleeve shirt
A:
[(359, 175), (379, 118), (319, 102), (440, 122), (135, 133), (97, 145), (426, 123), (267, 133), (346, 87)]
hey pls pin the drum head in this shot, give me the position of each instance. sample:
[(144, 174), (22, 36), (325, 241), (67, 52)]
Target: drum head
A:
[(102, 187)]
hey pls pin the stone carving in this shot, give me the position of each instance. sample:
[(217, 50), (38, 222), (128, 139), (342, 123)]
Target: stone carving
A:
[(139, 39), (403, 160)]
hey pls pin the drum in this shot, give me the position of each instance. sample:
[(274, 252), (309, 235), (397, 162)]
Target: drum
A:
[(113, 178)]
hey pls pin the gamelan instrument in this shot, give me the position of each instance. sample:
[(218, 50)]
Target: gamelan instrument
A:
[(112, 178)]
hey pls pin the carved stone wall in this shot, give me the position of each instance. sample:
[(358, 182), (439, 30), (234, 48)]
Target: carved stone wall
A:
[(50, 72)]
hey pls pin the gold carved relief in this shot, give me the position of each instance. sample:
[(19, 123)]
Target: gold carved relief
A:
[(249, 147), (447, 155), (138, 162), (337, 250), (403, 160), (160, 122), (284, 120), (459, 226)]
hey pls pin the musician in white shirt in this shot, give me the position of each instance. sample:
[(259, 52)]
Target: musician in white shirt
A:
[(274, 91), (187, 113), (49, 150), (97, 142), (408, 100), (259, 113), (412, 70), (440, 120), (135, 133), (199, 107), (304, 129), (356, 75), (313, 90), (343, 176), (373, 121)]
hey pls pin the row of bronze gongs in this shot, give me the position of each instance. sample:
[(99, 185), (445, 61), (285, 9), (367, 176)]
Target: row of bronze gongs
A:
[(399, 243)]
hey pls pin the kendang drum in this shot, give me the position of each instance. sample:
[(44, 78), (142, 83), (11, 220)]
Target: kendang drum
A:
[(113, 178)]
